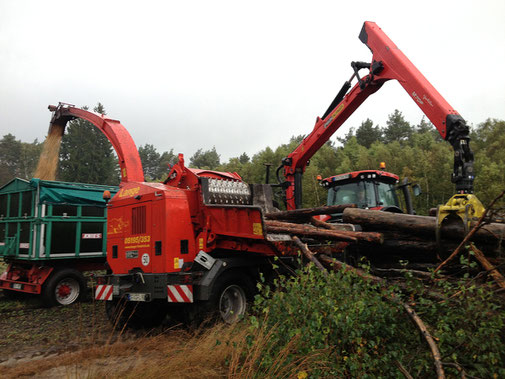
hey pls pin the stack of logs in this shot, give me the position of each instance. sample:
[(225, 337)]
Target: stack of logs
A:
[(382, 236)]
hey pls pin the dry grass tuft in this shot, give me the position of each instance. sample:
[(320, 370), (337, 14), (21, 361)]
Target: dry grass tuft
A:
[(215, 352)]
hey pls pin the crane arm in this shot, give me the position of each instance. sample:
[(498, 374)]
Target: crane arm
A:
[(388, 62), (116, 133)]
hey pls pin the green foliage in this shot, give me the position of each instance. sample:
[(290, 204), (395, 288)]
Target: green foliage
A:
[(17, 159), (86, 155), (397, 128), (488, 140), (367, 134), (208, 159), (361, 332), (155, 165)]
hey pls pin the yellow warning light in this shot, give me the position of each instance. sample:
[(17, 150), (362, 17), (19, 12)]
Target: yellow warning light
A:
[(382, 165)]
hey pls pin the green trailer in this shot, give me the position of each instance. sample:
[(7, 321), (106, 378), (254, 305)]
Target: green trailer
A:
[(50, 233)]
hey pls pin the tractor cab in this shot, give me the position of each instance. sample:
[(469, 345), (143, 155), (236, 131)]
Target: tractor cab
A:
[(369, 189)]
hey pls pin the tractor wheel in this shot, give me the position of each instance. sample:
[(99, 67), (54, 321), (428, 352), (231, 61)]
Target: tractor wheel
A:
[(135, 314), (64, 287), (228, 300)]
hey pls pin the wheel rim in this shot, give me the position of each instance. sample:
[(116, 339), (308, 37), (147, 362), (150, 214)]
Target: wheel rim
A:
[(232, 303), (67, 291)]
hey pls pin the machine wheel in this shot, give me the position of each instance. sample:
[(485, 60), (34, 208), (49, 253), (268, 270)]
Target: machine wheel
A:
[(64, 287), (230, 295), (135, 315)]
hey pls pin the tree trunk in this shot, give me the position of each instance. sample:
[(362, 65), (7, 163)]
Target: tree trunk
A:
[(307, 230), (419, 225), (305, 213)]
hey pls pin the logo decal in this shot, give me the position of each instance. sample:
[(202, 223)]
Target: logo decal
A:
[(117, 226), (128, 192), (334, 115)]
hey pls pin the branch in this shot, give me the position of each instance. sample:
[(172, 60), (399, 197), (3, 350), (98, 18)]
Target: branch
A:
[(431, 342), (488, 266), (403, 370), (305, 250)]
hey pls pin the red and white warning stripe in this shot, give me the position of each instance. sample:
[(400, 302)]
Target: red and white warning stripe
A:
[(180, 293), (104, 292)]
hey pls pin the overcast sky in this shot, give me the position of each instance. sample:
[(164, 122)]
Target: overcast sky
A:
[(236, 75)]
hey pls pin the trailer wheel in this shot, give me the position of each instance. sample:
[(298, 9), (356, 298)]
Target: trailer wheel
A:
[(230, 295), (64, 287)]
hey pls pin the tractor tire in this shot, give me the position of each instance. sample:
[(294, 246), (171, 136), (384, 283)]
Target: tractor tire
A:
[(135, 315), (230, 296), (64, 287)]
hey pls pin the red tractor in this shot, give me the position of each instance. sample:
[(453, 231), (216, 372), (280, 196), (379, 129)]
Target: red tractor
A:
[(369, 189)]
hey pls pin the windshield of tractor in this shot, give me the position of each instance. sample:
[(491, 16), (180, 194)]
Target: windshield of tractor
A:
[(387, 195), (361, 193)]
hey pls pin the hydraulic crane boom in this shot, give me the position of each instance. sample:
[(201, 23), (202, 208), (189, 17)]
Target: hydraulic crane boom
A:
[(388, 62)]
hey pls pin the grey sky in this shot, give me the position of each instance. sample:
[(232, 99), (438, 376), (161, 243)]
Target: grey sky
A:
[(236, 75)]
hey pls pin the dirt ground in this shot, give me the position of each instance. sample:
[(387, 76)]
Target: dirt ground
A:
[(27, 329), (30, 332), (78, 341)]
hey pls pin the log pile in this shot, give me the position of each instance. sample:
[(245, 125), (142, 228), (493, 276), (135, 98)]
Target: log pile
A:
[(416, 235), (383, 237)]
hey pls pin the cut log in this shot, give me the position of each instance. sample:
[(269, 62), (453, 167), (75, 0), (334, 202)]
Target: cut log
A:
[(310, 231), (314, 233), (488, 266), (335, 248), (305, 213), (419, 225)]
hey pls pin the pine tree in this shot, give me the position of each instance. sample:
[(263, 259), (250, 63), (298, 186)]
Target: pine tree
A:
[(397, 129), (208, 159), (367, 134), (155, 164), (10, 152), (86, 155)]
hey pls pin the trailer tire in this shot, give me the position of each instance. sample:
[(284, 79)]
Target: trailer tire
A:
[(230, 295), (64, 287), (135, 315)]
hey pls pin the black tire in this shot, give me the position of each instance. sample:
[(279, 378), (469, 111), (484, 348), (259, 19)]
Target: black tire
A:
[(64, 287), (230, 296), (135, 315)]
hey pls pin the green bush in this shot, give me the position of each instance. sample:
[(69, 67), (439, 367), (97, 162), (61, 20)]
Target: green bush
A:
[(357, 330)]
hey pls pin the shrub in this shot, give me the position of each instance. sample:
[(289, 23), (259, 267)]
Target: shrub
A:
[(357, 330)]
